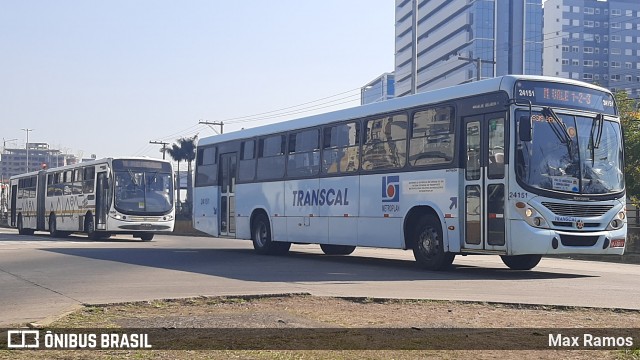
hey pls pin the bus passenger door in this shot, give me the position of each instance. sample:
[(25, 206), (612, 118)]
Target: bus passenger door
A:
[(14, 201), (484, 183), (102, 200), (41, 192), (228, 164)]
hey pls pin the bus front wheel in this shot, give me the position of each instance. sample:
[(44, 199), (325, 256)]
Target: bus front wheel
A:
[(331, 249), (428, 245), (90, 228), (261, 236), (521, 262), (146, 236)]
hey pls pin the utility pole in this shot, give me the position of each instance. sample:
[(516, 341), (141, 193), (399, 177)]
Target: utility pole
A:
[(26, 145), (164, 147), (478, 61), (221, 124)]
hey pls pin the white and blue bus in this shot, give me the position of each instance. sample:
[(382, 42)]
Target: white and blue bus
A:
[(516, 166), (100, 198)]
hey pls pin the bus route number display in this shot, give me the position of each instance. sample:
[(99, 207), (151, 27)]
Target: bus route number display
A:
[(565, 96)]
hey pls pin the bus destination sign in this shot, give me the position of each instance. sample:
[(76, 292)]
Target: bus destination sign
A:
[(565, 96)]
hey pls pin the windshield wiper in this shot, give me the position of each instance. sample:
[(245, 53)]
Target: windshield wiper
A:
[(133, 178), (559, 129)]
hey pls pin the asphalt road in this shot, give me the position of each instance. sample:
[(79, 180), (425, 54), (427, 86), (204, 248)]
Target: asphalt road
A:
[(42, 278)]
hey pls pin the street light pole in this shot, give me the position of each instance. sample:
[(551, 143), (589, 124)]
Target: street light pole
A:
[(26, 145)]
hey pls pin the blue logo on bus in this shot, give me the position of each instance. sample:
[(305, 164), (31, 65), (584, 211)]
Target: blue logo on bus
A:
[(391, 188)]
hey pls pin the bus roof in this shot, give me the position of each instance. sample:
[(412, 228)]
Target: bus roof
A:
[(87, 163), (504, 83)]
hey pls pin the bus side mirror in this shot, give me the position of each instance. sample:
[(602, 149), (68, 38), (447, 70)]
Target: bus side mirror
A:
[(524, 128)]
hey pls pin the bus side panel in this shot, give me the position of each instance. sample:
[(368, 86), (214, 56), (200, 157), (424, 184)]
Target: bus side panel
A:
[(343, 217), (205, 209), (302, 209), (380, 220), (268, 196)]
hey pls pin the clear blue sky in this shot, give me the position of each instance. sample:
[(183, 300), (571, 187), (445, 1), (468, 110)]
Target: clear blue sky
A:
[(105, 77)]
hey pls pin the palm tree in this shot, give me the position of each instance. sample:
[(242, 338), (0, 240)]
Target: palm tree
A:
[(176, 154), (188, 146)]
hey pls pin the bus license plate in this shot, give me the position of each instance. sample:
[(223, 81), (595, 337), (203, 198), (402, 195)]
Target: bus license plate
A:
[(617, 243)]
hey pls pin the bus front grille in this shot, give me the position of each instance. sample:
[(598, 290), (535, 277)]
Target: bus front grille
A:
[(577, 210), (576, 240)]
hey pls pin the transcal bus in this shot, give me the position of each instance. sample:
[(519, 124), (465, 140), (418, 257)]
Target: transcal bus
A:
[(516, 166), (100, 198)]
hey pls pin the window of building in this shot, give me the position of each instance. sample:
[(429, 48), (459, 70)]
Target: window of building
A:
[(616, 12), (588, 63), (615, 64), (341, 148), (575, 22), (304, 153), (575, 49), (629, 78), (628, 52), (565, 61), (432, 138), (385, 143), (627, 65), (615, 51), (588, 50), (615, 25), (628, 39), (588, 10), (587, 76), (565, 48), (588, 23), (575, 62), (615, 77), (575, 9)]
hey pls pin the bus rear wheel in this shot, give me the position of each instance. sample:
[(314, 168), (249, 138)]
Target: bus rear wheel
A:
[(21, 228), (428, 244), (331, 249), (53, 228), (261, 236), (521, 262)]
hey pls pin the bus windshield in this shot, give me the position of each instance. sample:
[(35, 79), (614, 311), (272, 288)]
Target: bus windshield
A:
[(571, 154), (140, 191)]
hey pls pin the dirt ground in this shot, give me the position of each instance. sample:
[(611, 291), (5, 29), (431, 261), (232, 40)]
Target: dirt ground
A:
[(309, 312)]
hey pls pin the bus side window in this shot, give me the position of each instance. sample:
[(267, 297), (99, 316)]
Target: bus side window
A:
[(206, 166), (304, 153), (76, 187), (341, 148), (271, 158), (247, 166), (385, 143), (89, 179), (432, 141)]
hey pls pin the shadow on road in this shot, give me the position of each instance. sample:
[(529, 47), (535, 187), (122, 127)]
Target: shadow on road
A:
[(244, 264)]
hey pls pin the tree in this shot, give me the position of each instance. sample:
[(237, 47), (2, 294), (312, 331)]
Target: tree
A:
[(176, 154), (630, 119), (188, 146)]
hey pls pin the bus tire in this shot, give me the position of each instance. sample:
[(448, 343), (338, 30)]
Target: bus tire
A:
[(428, 245), (146, 236), (21, 228), (331, 249), (261, 236), (90, 228), (53, 228), (521, 262)]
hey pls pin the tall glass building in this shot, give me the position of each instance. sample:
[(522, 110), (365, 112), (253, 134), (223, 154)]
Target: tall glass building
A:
[(594, 41), (441, 43)]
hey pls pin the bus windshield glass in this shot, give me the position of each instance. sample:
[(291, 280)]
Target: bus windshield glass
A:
[(571, 154), (565, 96), (139, 191)]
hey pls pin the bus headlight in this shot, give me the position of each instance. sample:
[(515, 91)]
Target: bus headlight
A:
[(618, 221), (531, 215)]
